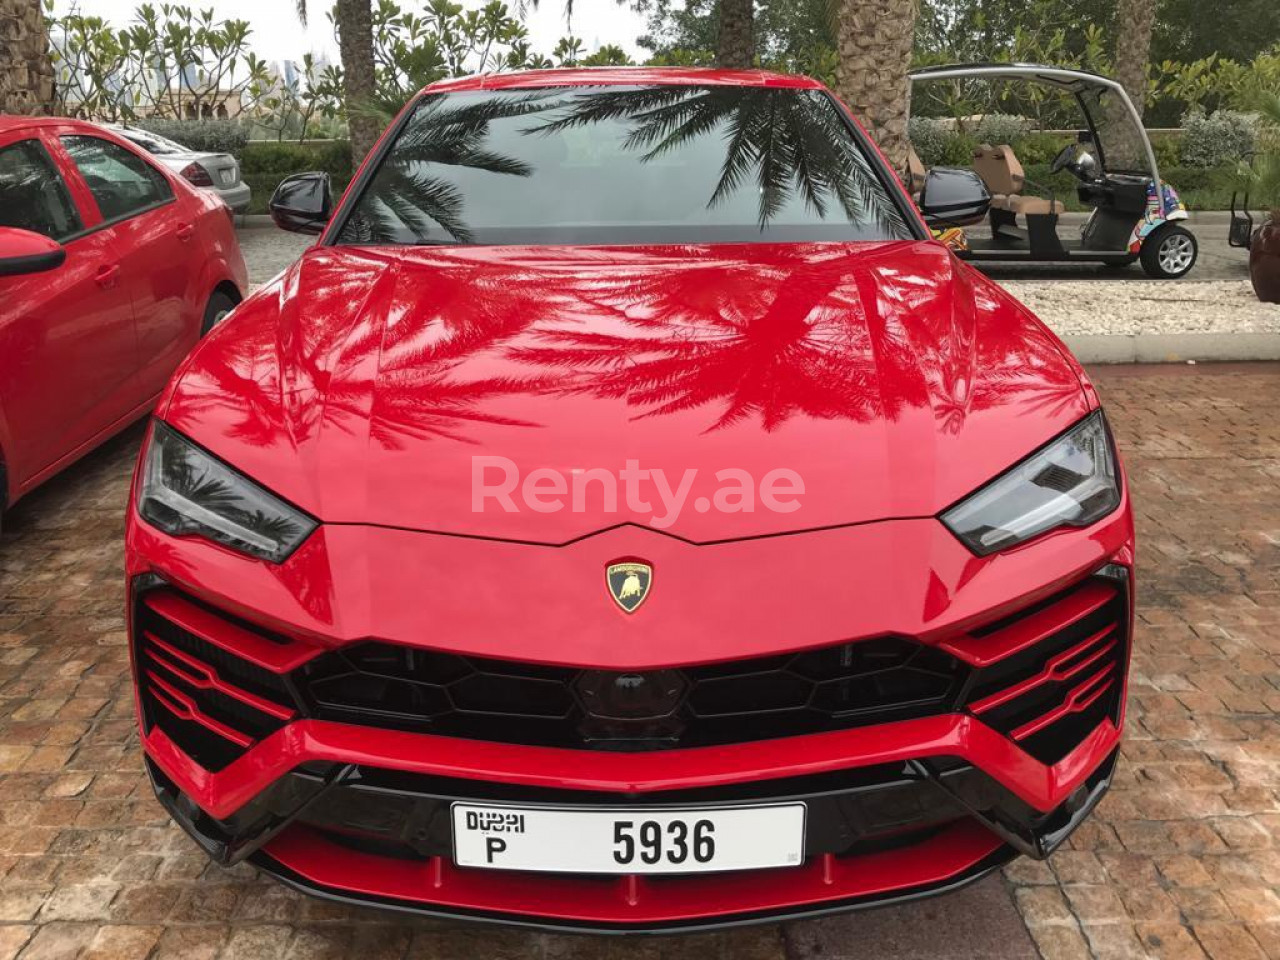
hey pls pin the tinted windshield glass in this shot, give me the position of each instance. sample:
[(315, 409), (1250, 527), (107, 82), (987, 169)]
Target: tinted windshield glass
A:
[(622, 165)]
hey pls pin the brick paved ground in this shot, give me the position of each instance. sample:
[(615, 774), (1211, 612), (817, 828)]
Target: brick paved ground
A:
[(1182, 859)]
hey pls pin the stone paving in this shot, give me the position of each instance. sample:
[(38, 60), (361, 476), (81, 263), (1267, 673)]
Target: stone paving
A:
[(1181, 860)]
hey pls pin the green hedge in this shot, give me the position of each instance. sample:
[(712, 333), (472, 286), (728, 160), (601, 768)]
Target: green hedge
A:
[(265, 163), (1200, 188)]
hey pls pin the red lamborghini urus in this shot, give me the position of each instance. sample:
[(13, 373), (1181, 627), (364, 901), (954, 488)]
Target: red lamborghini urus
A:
[(627, 518)]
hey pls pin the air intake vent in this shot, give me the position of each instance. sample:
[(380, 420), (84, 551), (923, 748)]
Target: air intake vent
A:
[(213, 704), (1065, 674)]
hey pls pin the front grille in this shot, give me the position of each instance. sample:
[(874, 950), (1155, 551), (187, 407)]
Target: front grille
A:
[(853, 684), (1046, 677), (1065, 674), (213, 704)]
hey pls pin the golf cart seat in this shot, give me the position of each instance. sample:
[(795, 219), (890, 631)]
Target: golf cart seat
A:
[(916, 172), (1034, 206), (1002, 172)]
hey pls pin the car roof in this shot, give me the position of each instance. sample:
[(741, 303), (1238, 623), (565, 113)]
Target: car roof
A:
[(630, 76), (10, 121)]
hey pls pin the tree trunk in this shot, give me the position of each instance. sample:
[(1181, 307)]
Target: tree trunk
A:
[(874, 40), (355, 38), (736, 42), (1134, 22), (26, 70)]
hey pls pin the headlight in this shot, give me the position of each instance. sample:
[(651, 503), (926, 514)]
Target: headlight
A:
[(1070, 483), (186, 491)]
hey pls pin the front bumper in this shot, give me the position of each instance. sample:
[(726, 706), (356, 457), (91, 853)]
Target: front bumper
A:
[(898, 809)]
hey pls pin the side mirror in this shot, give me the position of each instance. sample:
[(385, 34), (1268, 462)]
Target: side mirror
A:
[(22, 251), (302, 203), (953, 198)]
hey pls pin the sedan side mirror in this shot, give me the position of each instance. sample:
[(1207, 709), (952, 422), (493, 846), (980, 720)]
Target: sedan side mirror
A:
[(302, 203), (22, 251), (953, 198)]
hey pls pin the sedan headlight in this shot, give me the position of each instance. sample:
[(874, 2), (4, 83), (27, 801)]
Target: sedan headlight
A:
[(187, 491), (1070, 483)]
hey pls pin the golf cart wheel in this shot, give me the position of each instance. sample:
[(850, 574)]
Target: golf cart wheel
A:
[(1170, 252), (220, 304)]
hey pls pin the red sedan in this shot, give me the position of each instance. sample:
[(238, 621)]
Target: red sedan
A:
[(627, 517), (111, 268)]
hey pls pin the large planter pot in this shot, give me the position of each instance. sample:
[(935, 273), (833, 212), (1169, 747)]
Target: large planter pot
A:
[(1264, 260)]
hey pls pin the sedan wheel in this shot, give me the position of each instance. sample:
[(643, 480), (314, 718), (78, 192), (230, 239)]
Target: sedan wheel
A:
[(220, 304)]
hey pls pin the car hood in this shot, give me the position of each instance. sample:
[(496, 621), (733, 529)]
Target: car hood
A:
[(392, 386)]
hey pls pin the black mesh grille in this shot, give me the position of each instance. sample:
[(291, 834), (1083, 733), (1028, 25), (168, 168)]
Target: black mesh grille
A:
[(212, 704), (874, 681)]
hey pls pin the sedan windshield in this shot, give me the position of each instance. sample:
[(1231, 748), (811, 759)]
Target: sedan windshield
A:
[(624, 165)]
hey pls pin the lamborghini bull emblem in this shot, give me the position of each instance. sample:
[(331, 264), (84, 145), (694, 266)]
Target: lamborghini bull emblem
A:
[(629, 584)]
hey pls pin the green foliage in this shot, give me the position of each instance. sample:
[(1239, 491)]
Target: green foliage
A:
[(170, 62), (1222, 137), (214, 136), (942, 143), (297, 109), (931, 139), (415, 48), (1262, 176), (997, 128), (264, 163), (793, 36)]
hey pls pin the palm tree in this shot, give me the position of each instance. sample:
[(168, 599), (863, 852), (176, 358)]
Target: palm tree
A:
[(359, 81), (735, 39), (1134, 22), (354, 20), (874, 40), (26, 68)]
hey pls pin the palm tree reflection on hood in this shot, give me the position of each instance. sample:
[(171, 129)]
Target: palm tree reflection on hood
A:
[(405, 202), (801, 343), (784, 141)]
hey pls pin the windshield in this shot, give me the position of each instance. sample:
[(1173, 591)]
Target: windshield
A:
[(152, 143), (1122, 142), (624, 165)]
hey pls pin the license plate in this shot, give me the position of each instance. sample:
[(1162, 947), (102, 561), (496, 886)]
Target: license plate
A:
[(621, 841), (228, 177)]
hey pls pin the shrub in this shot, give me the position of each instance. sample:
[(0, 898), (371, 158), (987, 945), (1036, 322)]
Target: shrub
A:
[(1224, 136), (998, 128), (270, 156), (929, 137), (1039, 148), (214, 136), (1168, 148)]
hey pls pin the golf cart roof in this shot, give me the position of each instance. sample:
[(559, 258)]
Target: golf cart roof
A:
[(1064, 78)]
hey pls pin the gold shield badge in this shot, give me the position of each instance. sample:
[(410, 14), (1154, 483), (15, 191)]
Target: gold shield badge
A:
[(629, 583)]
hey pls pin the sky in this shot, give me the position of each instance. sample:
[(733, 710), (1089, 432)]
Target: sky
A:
[(277, 35)]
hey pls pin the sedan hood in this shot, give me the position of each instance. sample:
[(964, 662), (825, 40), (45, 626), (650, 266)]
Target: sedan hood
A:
[(517, 392)]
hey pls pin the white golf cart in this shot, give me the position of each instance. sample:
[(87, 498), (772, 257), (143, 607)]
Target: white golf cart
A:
[(1135, 214)]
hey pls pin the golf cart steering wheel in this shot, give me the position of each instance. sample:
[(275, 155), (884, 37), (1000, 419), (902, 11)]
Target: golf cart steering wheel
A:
[(1066, 159)]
